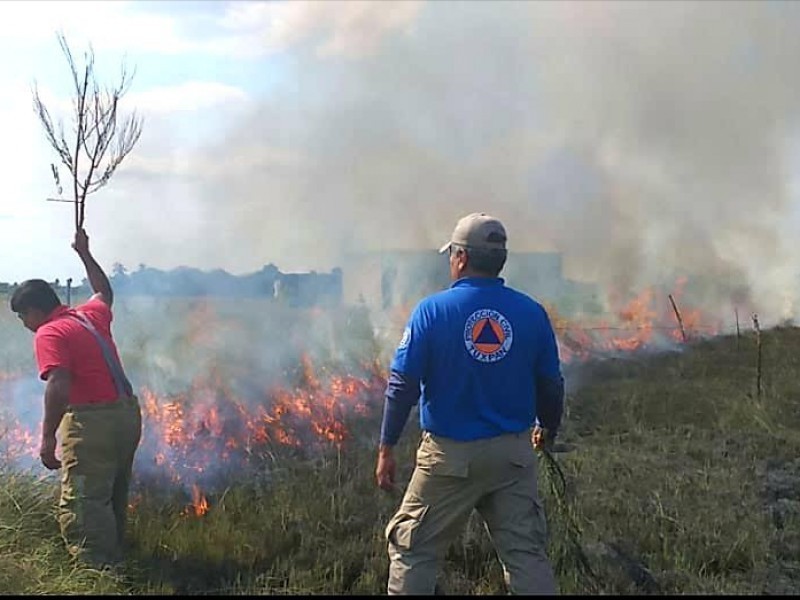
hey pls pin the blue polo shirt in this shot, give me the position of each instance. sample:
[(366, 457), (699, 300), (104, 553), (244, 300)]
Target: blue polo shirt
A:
[(478, 349)]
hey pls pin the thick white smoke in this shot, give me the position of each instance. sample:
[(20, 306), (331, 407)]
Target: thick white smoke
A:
[(642, 140)]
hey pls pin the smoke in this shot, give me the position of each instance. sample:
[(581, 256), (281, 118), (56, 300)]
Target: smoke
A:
[(687, 113), (223, 386), (20, 421), (642, 140)]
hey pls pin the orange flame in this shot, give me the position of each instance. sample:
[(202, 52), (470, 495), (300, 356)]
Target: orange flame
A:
[(211, 428), (199, 506), (227, 419), (645, 320)]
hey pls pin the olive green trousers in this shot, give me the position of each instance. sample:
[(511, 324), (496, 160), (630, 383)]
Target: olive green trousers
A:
[(98, 443)]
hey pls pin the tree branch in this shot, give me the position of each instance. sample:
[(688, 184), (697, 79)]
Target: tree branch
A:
[(98, 137)]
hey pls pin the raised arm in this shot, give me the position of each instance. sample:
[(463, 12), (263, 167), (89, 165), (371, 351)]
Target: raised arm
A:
[(94, 273)]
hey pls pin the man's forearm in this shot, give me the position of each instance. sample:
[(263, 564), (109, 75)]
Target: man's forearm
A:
[(97, 278), (550, 402), (56, 399), (402, 393)]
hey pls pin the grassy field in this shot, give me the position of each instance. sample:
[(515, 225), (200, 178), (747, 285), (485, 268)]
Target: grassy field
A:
[(681, 479)]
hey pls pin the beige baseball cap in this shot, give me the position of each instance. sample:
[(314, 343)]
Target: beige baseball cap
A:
[(478, 230)]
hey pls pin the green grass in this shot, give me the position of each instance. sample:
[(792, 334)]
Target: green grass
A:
[(681, 480)]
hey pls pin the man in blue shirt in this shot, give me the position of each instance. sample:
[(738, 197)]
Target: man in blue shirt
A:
[(482, 360)]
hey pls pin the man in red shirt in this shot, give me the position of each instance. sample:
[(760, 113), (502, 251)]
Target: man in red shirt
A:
[(90, 401)]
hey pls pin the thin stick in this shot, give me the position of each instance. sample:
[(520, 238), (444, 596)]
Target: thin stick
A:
[(738, 332), (678, 315), (69, 291), (758, 360)]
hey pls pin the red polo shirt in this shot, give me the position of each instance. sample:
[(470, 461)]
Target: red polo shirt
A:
[(62, 342)]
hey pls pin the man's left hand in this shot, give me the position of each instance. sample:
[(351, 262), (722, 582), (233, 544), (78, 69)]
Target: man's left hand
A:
[(47, 453), (542, 438)]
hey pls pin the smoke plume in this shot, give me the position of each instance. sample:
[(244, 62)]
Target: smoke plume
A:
[(642, 140)]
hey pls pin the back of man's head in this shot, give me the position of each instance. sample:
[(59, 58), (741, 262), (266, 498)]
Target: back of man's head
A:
[(34, 293), (487, 262), (483, 237)]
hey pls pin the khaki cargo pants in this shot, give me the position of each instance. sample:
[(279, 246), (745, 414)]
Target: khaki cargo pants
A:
[(495, 476), (97, 447)]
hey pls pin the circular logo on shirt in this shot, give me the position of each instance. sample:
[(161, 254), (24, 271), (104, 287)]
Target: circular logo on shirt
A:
[(488, 335)]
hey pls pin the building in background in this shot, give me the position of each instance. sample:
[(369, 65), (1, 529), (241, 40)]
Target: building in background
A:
[(384, 281), (307, 290), (387, 280)]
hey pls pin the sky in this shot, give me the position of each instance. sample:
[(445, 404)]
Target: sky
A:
[(641, 139)]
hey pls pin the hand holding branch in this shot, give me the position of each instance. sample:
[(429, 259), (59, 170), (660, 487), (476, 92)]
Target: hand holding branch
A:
[(542, 439), (81, 243), (101, 286)]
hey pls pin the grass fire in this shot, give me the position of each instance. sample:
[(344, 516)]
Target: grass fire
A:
[(266, 183), (255, 476)]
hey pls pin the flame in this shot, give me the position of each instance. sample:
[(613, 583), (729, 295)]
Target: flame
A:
[(646, 320), (210, 430), (228, 420), (199, 506)]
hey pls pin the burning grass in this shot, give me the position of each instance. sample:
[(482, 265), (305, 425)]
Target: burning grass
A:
[(652, 320), (680, 480), (214, 433)]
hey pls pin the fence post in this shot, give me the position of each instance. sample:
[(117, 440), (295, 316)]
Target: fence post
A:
[(758, 359), (678, 315)]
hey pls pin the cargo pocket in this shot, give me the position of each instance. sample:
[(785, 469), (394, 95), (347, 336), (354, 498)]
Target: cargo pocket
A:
[(401, 530), (443, 458)]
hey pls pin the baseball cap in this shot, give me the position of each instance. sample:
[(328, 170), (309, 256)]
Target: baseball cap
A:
[(479, 231)]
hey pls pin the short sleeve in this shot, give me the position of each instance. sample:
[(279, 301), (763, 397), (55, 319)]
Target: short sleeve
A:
[(50, 349), (411, 356)]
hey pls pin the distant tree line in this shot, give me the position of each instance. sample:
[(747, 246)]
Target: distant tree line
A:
[(294, 289)]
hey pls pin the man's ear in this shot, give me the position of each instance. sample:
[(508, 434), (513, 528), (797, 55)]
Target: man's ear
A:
[(463, 258)]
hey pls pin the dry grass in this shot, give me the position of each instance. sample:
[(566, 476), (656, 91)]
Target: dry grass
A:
[(679, 482)]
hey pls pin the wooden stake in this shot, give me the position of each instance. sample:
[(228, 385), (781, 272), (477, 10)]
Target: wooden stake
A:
[(758, 359), (678, 316), (738, 332)]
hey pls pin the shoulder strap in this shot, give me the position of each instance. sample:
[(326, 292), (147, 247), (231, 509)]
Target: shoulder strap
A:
[(120, 380)]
